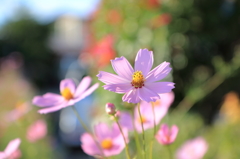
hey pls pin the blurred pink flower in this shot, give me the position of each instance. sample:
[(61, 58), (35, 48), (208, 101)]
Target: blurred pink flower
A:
[(160, 109), (193, 149), (162, 105), (166, 136), (18, 112), (99, 53), (139, 83), (11, 151), (147, 116), (37, 130), (69, 95), (110, 140), (125, 120)]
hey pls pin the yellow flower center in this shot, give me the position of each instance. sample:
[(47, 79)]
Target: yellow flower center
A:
[(107, 144), (138, 79), (144, 119), (66, 93)]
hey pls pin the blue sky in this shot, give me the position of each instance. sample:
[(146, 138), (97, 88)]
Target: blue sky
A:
[(46, 10)]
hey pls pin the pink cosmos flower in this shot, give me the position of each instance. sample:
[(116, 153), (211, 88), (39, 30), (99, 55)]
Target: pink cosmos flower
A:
[(147, 116), (139, 83), (36, 131), (110, 140), (125, 120), (193, 149), (18, 112), (166, 136), (70, 94), (11, 151), (160, 110)]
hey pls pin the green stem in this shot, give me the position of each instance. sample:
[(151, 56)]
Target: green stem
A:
[(126, 149), (154, 131), (154, 120), (80, 120), (135, 134), (186, 104), (87, 130), (151, 149), (169, 151), (143, 134)]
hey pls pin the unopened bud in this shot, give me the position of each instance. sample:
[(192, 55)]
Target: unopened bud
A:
[(110, 109)]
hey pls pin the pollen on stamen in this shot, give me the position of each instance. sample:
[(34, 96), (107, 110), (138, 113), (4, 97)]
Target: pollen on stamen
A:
[(138, 79), (66, 93)]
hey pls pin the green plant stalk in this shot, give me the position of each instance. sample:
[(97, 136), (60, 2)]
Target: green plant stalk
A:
[(169, 152), (143, 134), (137, 142), (207, 87), (126, 149), (186, 104), (86, 128), (154, 120), (154, 131)]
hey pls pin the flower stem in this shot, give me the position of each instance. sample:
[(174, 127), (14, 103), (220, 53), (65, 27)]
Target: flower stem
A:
[(126, 149), (151, 149), (154, 120), (135, 134), (154, 130), (87, 129), (170, 152), (143, 134)]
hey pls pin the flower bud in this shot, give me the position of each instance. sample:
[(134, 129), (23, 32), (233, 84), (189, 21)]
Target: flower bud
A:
[(110, 109)]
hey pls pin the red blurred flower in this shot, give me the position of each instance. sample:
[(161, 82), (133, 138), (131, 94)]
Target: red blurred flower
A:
[(102, 52), (161, 20), (153, 3), (114, 17)]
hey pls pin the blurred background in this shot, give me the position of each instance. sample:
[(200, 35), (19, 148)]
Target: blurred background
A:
[(43, 42)]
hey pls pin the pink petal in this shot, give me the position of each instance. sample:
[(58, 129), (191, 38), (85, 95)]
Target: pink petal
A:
[(115, 150), (109, 78), (118, 88), (147, 95), (125, 120), (88, 145), (165, 129), (146, 112), (160, 112), (12, 146), (86, 93), (160, 87), (174, 132), (195, 148), (132, 96), (37, 131), (83, 85), (159, 72), (15, 155), (144, 61), (102, 131), (48, 99), (118, 141), (167, 99), (3, 155), (122, 67), (116, 131), (68, 83), (53, 108)]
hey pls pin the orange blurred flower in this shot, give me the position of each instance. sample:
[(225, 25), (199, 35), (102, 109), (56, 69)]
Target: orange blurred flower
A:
[(230, 108), (161, 20), (102, 52)]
